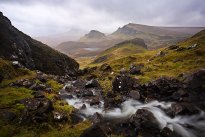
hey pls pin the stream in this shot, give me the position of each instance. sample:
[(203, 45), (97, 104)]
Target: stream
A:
[(186, 126)]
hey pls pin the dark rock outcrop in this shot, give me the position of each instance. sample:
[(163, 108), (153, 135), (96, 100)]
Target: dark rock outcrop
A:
[(145, 121), (8, 115), (59, 116), (105, 67), (134, 94), (163, 88), (17, 46), (76, 117), (196, 81), (123, 83), (92, 84), (135, 69)]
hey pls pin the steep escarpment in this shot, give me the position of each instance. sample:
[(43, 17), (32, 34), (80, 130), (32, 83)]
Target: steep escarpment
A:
[(17, 46)]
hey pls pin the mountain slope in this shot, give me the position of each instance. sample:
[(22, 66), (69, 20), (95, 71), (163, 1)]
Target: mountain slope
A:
[(93, 36), (15, 45), (186, 56), (124, 48), (155, 36)]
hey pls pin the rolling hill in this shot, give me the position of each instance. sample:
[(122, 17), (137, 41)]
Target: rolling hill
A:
[(154, 37), (173, 61), (122, 49)]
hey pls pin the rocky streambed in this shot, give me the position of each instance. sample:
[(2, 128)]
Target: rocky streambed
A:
[(166, 107)]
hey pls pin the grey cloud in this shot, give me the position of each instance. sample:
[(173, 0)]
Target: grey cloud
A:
[(43, 17)]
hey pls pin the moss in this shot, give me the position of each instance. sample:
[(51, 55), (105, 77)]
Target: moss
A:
[(19, 107), (54, 85), (9, 95), (63, 106), (9, 72), (6, 82), (68, 130)]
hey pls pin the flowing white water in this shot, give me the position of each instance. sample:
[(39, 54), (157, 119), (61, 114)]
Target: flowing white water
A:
[(186, 126)]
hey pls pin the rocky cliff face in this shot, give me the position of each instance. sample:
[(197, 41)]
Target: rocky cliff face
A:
[(17, 46), (126, 30)]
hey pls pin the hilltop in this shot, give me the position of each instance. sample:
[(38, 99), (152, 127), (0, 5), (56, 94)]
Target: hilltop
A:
[(93, 36)]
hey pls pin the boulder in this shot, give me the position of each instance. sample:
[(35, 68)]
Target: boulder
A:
[(196, 81), (38, 86), (76, 118), (166, 132), (177, 109), (134, 94), (39, 105), (65, 96), (91, 76), (181, 49), (30, 103), (45, 106), (124, 84), (161, 54), (95, 101), (96, 118), (88, 93), (16, 64), (27, 83), (42, 77), (68, 87), (124, 72), (135, 70), (162, 89), (83, 107), (96, 131), (183, 108), (173, 47), (92, 84), (145, 121), (38, 94), (8, 115), (192, 46), (105, 67), (113, 102), (59, 116)]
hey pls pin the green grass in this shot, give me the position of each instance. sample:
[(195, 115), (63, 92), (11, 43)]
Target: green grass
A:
[(119, 51)]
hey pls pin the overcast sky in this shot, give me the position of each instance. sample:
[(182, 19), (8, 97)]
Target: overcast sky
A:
[(46, 17)]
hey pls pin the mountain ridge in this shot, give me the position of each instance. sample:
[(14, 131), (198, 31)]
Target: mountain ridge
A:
[(154, 37)]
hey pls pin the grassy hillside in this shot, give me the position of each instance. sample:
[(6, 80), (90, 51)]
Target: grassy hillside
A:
[(122, 49), (171, 62)]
